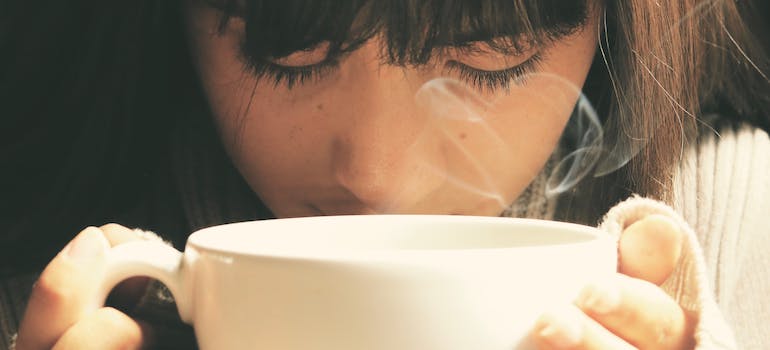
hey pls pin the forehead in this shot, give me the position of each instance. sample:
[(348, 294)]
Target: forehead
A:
[(411, 29)]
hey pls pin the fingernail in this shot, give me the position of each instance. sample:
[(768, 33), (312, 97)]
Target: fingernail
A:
[(601, 298), (87, 245), (561, 331)]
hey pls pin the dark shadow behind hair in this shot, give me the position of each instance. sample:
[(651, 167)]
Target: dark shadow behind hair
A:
[(90, 91), (742, 87)]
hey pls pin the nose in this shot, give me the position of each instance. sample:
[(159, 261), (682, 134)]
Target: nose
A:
[(381, 154)]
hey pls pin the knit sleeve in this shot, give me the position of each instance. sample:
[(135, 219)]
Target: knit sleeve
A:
[(723, 192), (688, 283)]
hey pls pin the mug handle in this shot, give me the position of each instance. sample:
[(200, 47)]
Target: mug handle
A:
[(150, 259)]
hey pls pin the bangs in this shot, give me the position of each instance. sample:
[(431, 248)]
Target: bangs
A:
[(411, 30)]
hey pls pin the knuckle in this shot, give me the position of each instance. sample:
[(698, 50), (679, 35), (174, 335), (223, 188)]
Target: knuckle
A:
[(672, 330), (50, 289), (90, 228), (623, 313), (111, 318), (127, 332), (117, 234), (106, 328), (112, 227)]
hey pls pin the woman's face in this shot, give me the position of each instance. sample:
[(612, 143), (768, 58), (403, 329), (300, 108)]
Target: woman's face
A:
[(367, 137)]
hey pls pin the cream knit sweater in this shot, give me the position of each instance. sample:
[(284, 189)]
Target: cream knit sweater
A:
[(721, 196)]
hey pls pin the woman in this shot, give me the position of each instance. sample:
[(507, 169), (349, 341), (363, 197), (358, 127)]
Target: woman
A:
[(179, 115)]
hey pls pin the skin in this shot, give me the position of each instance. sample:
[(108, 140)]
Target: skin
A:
[(61, 313), (368, 139)]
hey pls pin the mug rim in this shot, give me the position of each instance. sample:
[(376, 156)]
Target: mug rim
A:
[(199, 238)]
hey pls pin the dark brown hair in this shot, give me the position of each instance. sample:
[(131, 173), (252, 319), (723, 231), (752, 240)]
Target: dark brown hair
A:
[(663, 66), (90, 91)]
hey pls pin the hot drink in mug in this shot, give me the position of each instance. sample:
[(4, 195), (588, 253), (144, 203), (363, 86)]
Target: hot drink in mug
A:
[(377, 282)]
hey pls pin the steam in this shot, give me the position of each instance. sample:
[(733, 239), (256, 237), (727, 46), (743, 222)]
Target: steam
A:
[(451, 105), (585, 130)]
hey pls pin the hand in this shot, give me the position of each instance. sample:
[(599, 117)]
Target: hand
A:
[(63, 313), (629, 311)]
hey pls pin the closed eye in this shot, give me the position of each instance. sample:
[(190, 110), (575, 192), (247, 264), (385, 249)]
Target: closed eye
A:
[(496, 80)]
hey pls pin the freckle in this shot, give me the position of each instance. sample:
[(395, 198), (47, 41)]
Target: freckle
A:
[(463, 136), (320, 107)]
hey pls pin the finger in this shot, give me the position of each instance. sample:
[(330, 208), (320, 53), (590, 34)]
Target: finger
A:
[(127, 293), (649, 249), (66, 290), (639, 312), (118, 234), (105, 329), (569, 328)]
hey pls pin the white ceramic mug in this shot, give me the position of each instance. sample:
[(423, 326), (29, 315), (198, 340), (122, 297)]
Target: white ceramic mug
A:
[(372, 282)]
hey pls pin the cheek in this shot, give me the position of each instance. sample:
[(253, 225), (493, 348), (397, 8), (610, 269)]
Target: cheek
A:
[(502, 151), (532, 117), (264, 129), (276, 145), (279, 139)]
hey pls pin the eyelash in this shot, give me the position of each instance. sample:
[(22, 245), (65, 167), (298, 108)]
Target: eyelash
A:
[(291, 76), (497, 80), (480, 79)]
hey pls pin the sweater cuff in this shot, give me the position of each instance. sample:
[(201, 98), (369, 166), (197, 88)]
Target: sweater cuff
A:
[(687, 284)]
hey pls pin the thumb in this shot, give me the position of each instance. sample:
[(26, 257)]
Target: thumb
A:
[(65, 292), (650, 248)]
